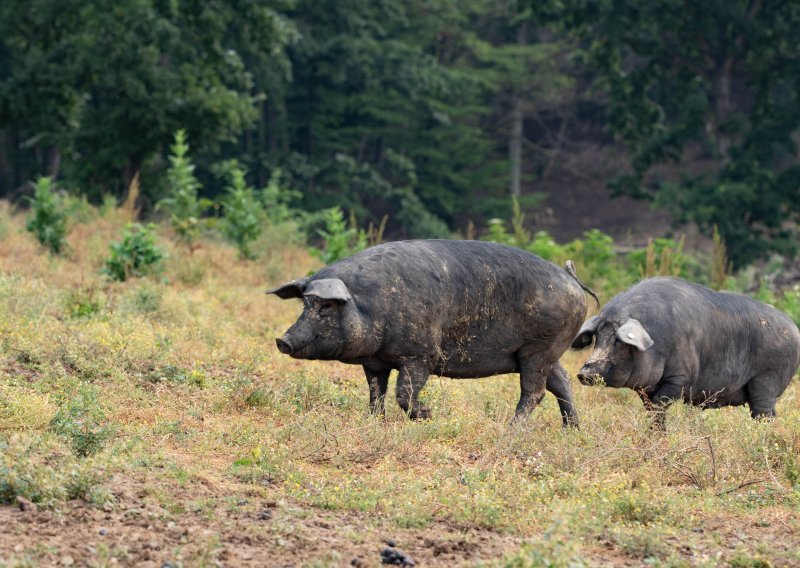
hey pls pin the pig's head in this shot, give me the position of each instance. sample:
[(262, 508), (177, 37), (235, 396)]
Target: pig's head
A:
[(330, 327), (619, 354)]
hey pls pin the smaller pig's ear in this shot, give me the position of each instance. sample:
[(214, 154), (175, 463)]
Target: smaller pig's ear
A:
[(586, 334), (293, 289), (632, 333), (329, 289)]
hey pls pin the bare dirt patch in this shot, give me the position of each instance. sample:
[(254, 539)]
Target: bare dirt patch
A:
[(158, 525)]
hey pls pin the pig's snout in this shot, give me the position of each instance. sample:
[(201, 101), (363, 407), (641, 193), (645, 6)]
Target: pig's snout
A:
[(592, 375), (284, 345)]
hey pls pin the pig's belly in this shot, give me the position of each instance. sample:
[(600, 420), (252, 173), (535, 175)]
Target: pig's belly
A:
[(475, 365), (716, 399)]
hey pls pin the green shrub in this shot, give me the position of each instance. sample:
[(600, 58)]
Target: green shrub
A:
[(340, 240), (276, 200), (243, 218), (183, 205), (34, 467), (48, 221), (136, 255), (83, 422), (84, 302), (497, 233)]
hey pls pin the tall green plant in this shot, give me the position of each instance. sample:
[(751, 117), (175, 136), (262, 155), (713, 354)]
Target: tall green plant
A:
[(243, 219), (340, 239), (183, 204), (48, 220)]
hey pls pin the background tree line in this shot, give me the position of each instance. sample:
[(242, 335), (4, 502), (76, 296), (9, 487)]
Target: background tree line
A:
[(435, 111)]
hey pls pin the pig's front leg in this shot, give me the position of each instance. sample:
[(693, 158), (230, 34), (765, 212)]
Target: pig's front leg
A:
[(378, 382), (659, 400), (410, 381)]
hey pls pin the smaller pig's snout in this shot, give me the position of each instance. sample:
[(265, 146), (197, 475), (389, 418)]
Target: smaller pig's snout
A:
[(284, 345), (591, 375)]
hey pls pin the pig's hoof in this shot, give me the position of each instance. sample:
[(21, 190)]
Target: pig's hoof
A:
[(420, 414)]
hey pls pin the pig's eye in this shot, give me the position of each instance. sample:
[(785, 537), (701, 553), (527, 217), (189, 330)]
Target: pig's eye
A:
[(326, 308)]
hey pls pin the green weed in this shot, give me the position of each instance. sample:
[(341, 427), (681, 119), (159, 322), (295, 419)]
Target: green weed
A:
[(48, 220), (136, 255)]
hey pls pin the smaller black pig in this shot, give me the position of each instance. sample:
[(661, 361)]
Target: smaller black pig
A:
[(669, 339), (462, 309)]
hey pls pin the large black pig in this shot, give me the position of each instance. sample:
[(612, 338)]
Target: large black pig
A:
[(673, 340), (461, 309)]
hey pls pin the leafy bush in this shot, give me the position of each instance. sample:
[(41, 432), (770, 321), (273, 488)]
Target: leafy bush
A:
[(184, 206), (243, 218), (83, 422), (83, 302), (340, 239), (136, 255), (276, 200), (48, 220)]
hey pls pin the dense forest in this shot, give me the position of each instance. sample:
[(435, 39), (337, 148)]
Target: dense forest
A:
[(434, 112)]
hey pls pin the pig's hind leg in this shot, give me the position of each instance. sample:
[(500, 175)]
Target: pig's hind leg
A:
[(410, 382), (533, 374), (558, 384), (762, 394)]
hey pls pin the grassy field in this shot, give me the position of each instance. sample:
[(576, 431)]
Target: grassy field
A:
[(154, 423)]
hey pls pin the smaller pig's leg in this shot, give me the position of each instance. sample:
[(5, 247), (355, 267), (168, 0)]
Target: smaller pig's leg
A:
[(558, 384), (659, 415), (761, 395), (378, 383), (533, 371), (661, 399), (410, 381)]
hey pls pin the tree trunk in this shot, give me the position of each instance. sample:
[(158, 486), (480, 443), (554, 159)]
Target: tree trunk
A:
[(263, 130), (5, 181), (722, 108), (131, 170), (515, 147), (53, 162), (517, 121)]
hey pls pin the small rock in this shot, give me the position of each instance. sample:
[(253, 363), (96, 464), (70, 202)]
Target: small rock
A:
[(395, 557), (67, 561), (168, 564), (26, 504), (264, 515), (390, 542), (102, 532)]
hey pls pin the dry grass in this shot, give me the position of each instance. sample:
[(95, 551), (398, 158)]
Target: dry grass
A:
[(186, 376)]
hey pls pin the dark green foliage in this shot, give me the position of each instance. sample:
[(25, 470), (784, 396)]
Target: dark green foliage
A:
[(717, 79), (416, 109), (243, 220), (136, 255), (48, 220)]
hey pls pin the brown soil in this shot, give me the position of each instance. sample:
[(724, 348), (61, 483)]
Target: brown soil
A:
[(203, 526), (220, 529)]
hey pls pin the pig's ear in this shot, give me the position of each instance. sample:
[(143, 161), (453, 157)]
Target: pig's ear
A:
[(329, 289), (632, 333), (293, 289), (586, 334)]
